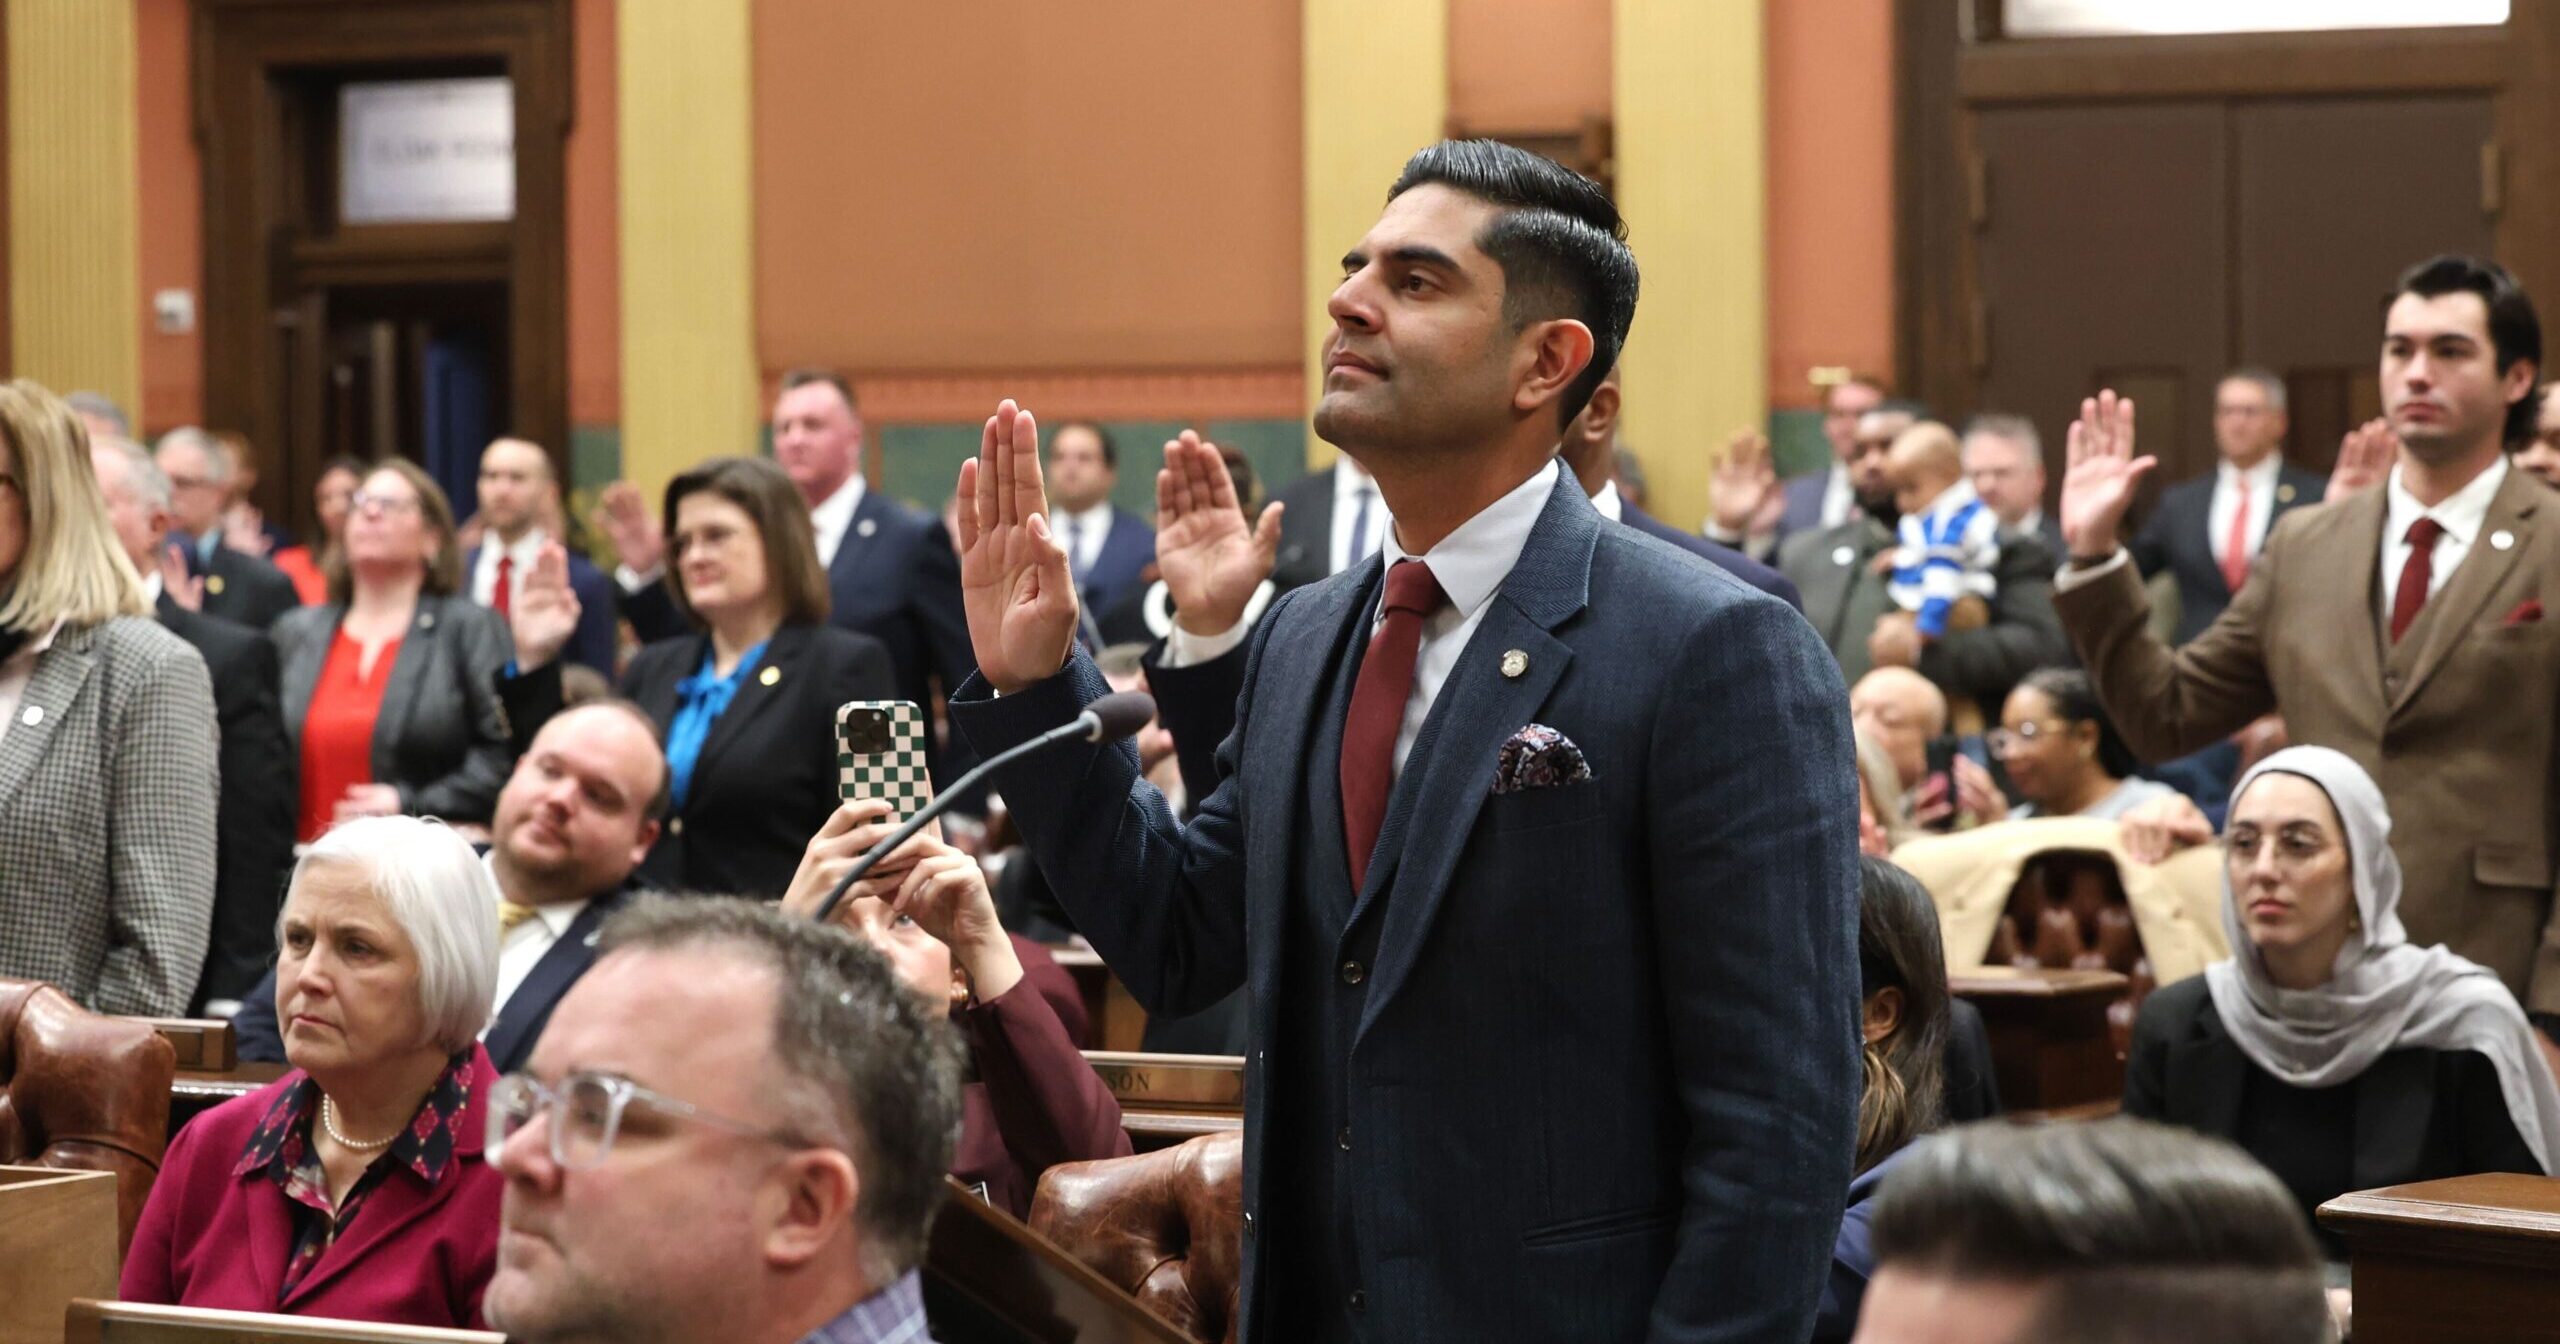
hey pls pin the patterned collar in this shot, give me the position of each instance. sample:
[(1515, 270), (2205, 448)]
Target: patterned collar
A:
[(894, 1315), (281, 1144)]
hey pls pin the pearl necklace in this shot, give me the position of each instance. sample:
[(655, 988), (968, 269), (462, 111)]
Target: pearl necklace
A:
[(328, 1121)]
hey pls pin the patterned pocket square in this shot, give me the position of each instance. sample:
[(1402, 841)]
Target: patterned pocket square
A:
[(1538, 757)]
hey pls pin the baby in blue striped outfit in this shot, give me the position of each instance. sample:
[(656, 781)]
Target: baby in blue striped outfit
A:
[(1949, 541)]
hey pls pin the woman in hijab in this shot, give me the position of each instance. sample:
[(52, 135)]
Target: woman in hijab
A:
[(2331, 1049)]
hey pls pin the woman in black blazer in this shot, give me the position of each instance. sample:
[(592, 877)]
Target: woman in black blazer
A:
[(387, 685), (747, 704), (2331, 1049)]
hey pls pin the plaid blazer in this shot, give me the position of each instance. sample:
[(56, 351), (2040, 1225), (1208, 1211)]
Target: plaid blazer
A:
[(108, 782)]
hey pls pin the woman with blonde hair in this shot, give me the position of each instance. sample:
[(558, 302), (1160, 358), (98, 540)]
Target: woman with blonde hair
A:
[(107, 741), (387, 685)]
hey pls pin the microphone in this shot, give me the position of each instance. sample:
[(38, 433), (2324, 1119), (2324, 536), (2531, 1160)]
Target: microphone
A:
[(1108, 719)]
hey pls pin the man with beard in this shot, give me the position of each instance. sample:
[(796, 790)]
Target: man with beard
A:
[(1845, 596), (573, 822)]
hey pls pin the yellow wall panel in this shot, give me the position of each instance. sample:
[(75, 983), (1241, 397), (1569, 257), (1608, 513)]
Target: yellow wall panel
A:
[(74, 250)]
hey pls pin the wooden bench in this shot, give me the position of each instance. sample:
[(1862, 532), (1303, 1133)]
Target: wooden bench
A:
[(2051, 1046), (2472, 1258), (92, 1322)]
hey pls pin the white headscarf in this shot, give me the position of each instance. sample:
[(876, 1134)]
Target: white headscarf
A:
[(2383, 993)]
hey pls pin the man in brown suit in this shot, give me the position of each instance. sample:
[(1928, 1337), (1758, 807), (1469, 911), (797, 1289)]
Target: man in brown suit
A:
[(2402, 624)]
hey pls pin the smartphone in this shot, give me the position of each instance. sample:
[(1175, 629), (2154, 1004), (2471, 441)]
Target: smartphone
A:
[(1942, 770), (880, 754)]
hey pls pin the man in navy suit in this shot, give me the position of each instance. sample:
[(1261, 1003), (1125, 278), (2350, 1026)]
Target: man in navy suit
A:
[(238, 587), (516, 482), (891, 573), (1536, 854), (1590, 448), (572, 825), (1107, 550), (2207, 531)]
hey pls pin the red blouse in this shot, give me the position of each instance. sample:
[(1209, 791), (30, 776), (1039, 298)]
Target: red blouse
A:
[(337, 730)]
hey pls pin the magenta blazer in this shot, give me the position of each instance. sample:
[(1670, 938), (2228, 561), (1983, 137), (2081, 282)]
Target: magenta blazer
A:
[(413, 1255)]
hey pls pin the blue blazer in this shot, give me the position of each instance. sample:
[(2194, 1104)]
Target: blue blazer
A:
[(593, 644), (1127, 549), (1804, 504), (1716, 553), (2177, 537), (510, 1038), (1604, 1072)]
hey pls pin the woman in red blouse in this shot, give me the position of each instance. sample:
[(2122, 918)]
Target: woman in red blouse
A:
[(1032, 1100), (354, 1186)]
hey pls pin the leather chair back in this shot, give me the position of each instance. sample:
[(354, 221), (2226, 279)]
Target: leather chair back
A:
[(83, 1092), (1167, 1226)]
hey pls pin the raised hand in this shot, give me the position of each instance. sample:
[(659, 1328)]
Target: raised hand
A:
[(1211, 562), (244, 529), (544, 613), (2365, 456), (2099, 484), (1744, 481), (183, 588), (2151, 832), (925, 880), (1014, 582), (623, 516)]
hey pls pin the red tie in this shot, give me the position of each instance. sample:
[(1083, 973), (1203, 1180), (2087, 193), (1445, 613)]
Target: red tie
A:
[(2415, 575), (1377, 708), (503, 599), (2235, 544)]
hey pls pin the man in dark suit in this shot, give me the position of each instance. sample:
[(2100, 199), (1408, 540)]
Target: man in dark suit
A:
[(1538, 853), (517, 484), (2208, 530), (1332, 523), (572, 825), (2004, 459), (1590, 446), (238, 587), (1811, 502), (1107, 549), (891, 573), (254, 814)]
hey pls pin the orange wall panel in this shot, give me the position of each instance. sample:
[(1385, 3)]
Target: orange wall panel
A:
[(1528, 65), (171, 226), (1023, 185), (1830, 127), (594, 226)]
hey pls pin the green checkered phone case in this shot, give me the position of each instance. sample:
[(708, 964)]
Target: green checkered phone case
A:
[(880, 754)]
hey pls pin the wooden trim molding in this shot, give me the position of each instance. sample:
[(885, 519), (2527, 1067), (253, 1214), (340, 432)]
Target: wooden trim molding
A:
[(1274, 393), (2235, 65)]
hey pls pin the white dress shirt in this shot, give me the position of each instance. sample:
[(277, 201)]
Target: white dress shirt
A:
[(830, 519), (1089, 528), (1346, 550), (527, 943), (1470, 564), (1607, 502), (484, 572), (2029, 524), (2262, 480), (1839, 496), (2462, 514)]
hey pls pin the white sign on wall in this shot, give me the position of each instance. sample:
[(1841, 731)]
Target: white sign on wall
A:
[(427, 150)]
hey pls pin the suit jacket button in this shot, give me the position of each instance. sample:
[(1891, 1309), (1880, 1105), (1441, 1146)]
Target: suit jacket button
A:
[(1342, 1138), (1359, 1300), (1353, 972), (675, 825), (1248, 1222)]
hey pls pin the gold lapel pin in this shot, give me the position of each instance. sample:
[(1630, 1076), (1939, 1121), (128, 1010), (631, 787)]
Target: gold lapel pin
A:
[(1514, 663), (2503, 539), (213, 585), (771, 676)]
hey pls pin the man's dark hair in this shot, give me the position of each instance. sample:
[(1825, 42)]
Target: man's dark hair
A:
[(2514, 332), (1110, 450), (800, 378), (857, 1036), (1559, 240), (2137, 1233)]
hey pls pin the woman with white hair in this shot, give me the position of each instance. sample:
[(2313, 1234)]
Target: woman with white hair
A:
[(107, 756), (353, 1187)]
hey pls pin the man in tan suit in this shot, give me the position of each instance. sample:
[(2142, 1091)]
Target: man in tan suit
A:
[(2401, 624)]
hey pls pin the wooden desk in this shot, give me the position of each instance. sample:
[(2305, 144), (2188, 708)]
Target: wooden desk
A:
[(2472, 1258), (1118, 1022), (1167, 1099), (57, 1242), (2050, 1046), (990, 1279), (90, 1322), (201, 1042), (196, 1091)]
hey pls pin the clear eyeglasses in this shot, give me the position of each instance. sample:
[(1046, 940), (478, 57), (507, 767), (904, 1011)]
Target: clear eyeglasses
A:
[(585, 1113)]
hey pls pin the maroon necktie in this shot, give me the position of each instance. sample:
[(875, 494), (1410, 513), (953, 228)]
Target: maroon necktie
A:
[(2415, 575), (1377, 708)]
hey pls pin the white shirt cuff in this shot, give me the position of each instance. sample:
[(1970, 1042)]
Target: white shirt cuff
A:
[(633, 580), (2072, 576), (1185, 649)]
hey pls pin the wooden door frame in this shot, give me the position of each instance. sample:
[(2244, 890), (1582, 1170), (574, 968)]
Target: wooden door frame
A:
[(249, 192), (1946, 74)]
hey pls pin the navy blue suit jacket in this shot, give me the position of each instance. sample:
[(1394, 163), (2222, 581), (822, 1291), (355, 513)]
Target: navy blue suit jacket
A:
[(2177, 537), (1604, 1077), (520, 1019), (1804, 504), (593, 643), (1733, 562), (1127, 549)]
